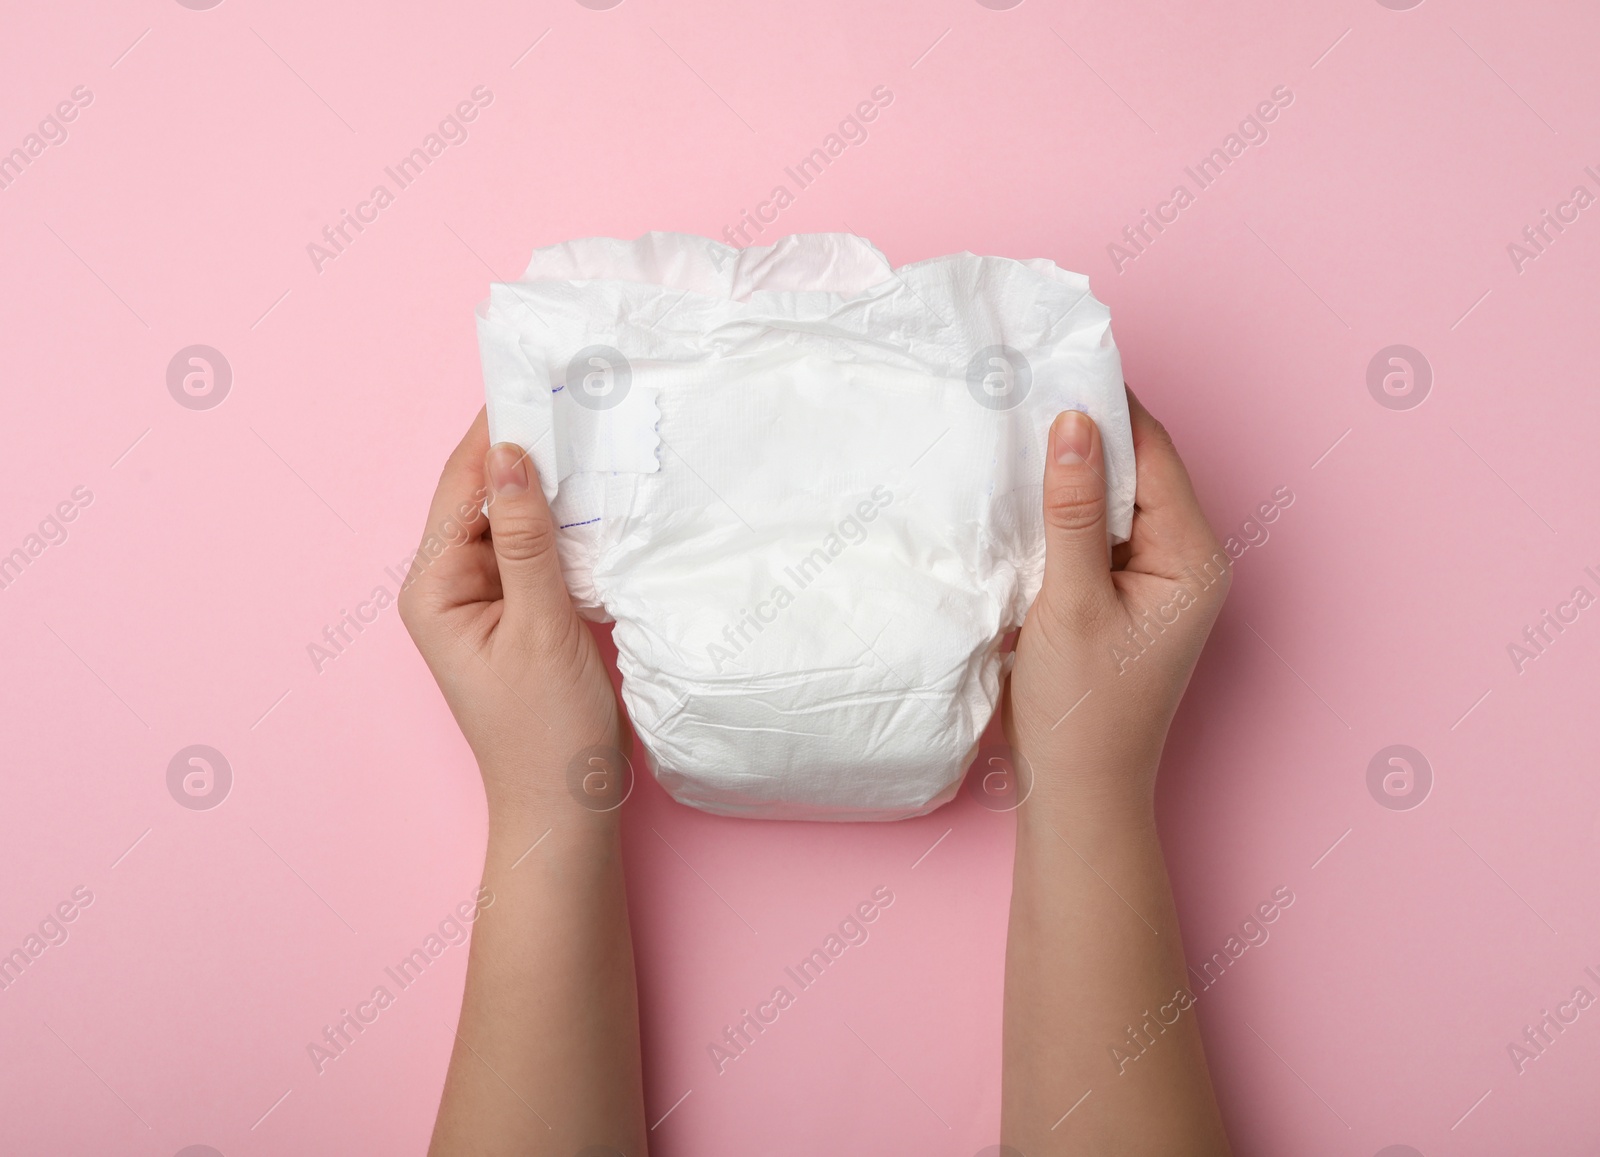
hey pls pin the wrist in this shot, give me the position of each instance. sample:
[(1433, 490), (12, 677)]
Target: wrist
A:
[(1092, 792), (526, 801), (520, 841), (1087, 815)]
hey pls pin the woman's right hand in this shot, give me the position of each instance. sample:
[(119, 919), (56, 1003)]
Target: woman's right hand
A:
[(1107, 650), (1097, 997)]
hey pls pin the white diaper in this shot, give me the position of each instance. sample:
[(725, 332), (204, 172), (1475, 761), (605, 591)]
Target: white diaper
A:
[(806, 486)]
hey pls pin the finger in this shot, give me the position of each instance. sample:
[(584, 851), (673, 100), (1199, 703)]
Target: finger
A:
[(1077, 568), (458, 500), (524, 537), (452, 554), (1163, 481), (1169, 528)]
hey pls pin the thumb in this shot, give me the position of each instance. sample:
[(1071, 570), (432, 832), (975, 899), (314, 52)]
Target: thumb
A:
[(524, 537), (1077, 564)]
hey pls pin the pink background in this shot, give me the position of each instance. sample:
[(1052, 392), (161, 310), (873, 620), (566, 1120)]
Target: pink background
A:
[(219, 543)]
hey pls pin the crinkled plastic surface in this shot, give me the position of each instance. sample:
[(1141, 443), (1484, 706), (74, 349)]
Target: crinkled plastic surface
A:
[(806, 486)]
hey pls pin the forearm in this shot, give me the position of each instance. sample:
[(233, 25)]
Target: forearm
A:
[(546, 1059), (1102, 1048)]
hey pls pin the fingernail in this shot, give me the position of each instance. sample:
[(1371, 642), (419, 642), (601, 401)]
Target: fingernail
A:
[(1071, 435), (508, 469)]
